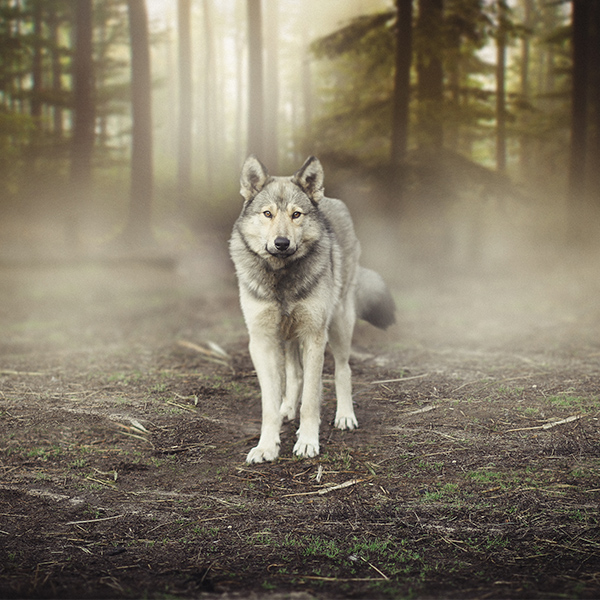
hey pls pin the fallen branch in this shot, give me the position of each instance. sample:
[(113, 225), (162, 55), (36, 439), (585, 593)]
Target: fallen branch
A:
[(135, 426), (94, 520), (340, 486), (315, 577), (182, 406), (214, 352), (383, 575), (547, 425), (561, 422), (326, 490), (399, 380), (421, 410), (101, 481), (27, 373)]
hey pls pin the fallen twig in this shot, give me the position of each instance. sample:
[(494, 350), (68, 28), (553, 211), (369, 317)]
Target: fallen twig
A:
[(135, 426), (182, 406), (340, 486), (422, 410), (399, 380), (561, 422), (319, 474), (101, 481), (375, 568), (94, 520), (214, 352), (315, 577), (27, 373), (326, 490), (547, 425)]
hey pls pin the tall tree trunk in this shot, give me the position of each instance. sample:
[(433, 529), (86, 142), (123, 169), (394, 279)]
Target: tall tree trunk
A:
[(304, 123), (430, 74), (36, 67), (57, 113), (307, 105), (501, 88), (579, 114), (238, 149), (184, 136), (82, 144), (139, 230), (579, 97), (594, 101), (209, 96), (401, 99), (525, 147), (102, 49), (271, 155), (256, 119)]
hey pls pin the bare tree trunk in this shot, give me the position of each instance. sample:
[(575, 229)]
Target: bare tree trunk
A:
[(139, 230), (579, 113), (240, 45), (525, 149), (430, 75), (57, 113), (401, 99), (36, 67), (307, 101), (256, 119), (579, 98), (501, 88), (184, 137), (271, 157), (82, 144), (593, 154), (209, 97)]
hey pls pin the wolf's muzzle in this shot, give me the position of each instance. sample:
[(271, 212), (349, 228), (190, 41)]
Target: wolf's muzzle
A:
[(282, 244), (282, 247)]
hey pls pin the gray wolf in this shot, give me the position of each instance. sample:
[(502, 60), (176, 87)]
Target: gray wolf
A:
[(296, 259)]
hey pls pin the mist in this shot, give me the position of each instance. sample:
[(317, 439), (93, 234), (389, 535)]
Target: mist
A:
[(464, 138)]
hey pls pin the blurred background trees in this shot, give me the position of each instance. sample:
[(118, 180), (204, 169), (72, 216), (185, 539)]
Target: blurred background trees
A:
[(126, 117)]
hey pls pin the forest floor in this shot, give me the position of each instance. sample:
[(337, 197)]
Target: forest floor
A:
[(475, 472)]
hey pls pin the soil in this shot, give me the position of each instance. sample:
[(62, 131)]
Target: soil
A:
[(128, 403)]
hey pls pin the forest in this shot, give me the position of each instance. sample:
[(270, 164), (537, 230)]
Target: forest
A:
[(464, 138), (122, 119)]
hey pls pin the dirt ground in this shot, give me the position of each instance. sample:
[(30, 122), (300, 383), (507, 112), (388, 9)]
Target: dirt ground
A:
[(128, 404)]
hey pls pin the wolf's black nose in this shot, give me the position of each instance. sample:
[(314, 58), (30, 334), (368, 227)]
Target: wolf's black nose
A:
[(282, 244)]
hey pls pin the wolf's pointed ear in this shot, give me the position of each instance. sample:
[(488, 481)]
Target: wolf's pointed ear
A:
[(253, 178), (310, 178)]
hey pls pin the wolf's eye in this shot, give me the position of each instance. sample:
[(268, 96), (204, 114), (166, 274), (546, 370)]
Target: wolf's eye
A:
[(268, 214), (296, 215)]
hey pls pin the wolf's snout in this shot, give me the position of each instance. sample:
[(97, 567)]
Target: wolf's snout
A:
[(282, 244)]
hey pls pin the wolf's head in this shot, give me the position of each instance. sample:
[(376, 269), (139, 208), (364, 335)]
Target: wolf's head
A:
[(279, 220)]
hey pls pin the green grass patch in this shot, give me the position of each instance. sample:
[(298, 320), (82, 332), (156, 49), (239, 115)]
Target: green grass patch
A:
[(449, 492), (579, 403)]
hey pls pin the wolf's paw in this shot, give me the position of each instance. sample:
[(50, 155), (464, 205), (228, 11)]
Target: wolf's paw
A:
[(288, 411), (262, 454), (305, 448), (346, 422)]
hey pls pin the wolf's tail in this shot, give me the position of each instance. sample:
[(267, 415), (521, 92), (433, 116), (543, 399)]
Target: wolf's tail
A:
[(374, 302)]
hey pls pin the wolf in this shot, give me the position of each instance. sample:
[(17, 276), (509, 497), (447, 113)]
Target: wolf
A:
[(300, 284)]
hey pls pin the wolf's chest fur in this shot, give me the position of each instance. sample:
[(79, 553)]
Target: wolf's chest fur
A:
[(295, 281)]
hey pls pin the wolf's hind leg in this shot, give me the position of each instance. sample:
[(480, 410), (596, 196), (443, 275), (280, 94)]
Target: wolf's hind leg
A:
[(340, 341), (293, 380)]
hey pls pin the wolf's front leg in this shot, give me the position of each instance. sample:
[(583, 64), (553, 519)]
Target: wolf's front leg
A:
[(310, 411), (268, 359), (293, 380)]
